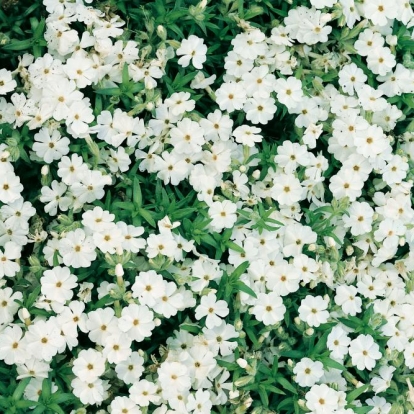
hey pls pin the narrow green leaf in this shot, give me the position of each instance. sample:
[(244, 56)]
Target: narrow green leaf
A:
[(353, 395), (240, 269), (246, 289), (147, 217), (286, 384), (18, 392), (136, 193)]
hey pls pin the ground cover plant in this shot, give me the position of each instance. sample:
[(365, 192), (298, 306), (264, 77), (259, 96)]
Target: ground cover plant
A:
[(206, 207)]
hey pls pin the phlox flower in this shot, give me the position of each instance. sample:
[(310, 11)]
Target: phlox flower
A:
[(230, 96), (90, 392), (364, 352), (308, 372), (89, 365), (117, 347), (269, 308), (7, 83), (130, 369), (8, 254), (286, 189), (54, 197), (192, 49), (77, 249), (43, 339), (187, 137), (217, 126), (121, 405), (57, 284), (179, 103), (143, 393), (10, 187), (101, 324), (137, 321), (12, 350), (223, 214), (313, 310), (338, 342), (346, 297), (213, 309), (322, 399), (259, 110)]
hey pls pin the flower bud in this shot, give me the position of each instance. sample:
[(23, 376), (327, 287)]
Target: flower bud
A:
[(242, 381), (242, 363), (119, 270), (309, 332), (161, 32)]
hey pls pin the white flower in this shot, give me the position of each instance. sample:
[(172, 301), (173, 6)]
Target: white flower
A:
[(338, 342), (89, 365), (223, 214), (12, 350), (50, 147), (346, 297), (137, 321), (43, 339), (312, 310), (308, 372), (57, 284), (269, 308), (322, 399), (192, 49), (7, 83), (7, 265), (89, 392), (364, 352), (10, 187), (213, 309), (77, 249)]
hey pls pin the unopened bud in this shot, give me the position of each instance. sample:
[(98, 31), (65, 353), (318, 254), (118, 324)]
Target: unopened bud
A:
[(256, 174), (161, 32), (119, 270), (242, 363), (349, 250), (309, 332)]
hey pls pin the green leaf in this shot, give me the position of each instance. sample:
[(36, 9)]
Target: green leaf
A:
[(330, 363), (320, 344), (137, 194), (240, 269), (233, 246), (286, 384), (263, 395), (61, 398), (39, 409), (109, 91), (246, 289), (25, 403), (193, 328), (18, 392), (4, 402), (147, 217), (18, 45), (56, 409), (46, 389), (353, 395)]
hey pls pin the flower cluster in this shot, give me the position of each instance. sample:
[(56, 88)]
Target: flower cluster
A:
[(195, 227)]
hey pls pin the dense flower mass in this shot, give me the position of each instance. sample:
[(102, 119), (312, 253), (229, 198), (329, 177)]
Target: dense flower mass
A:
[(207, 208)]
